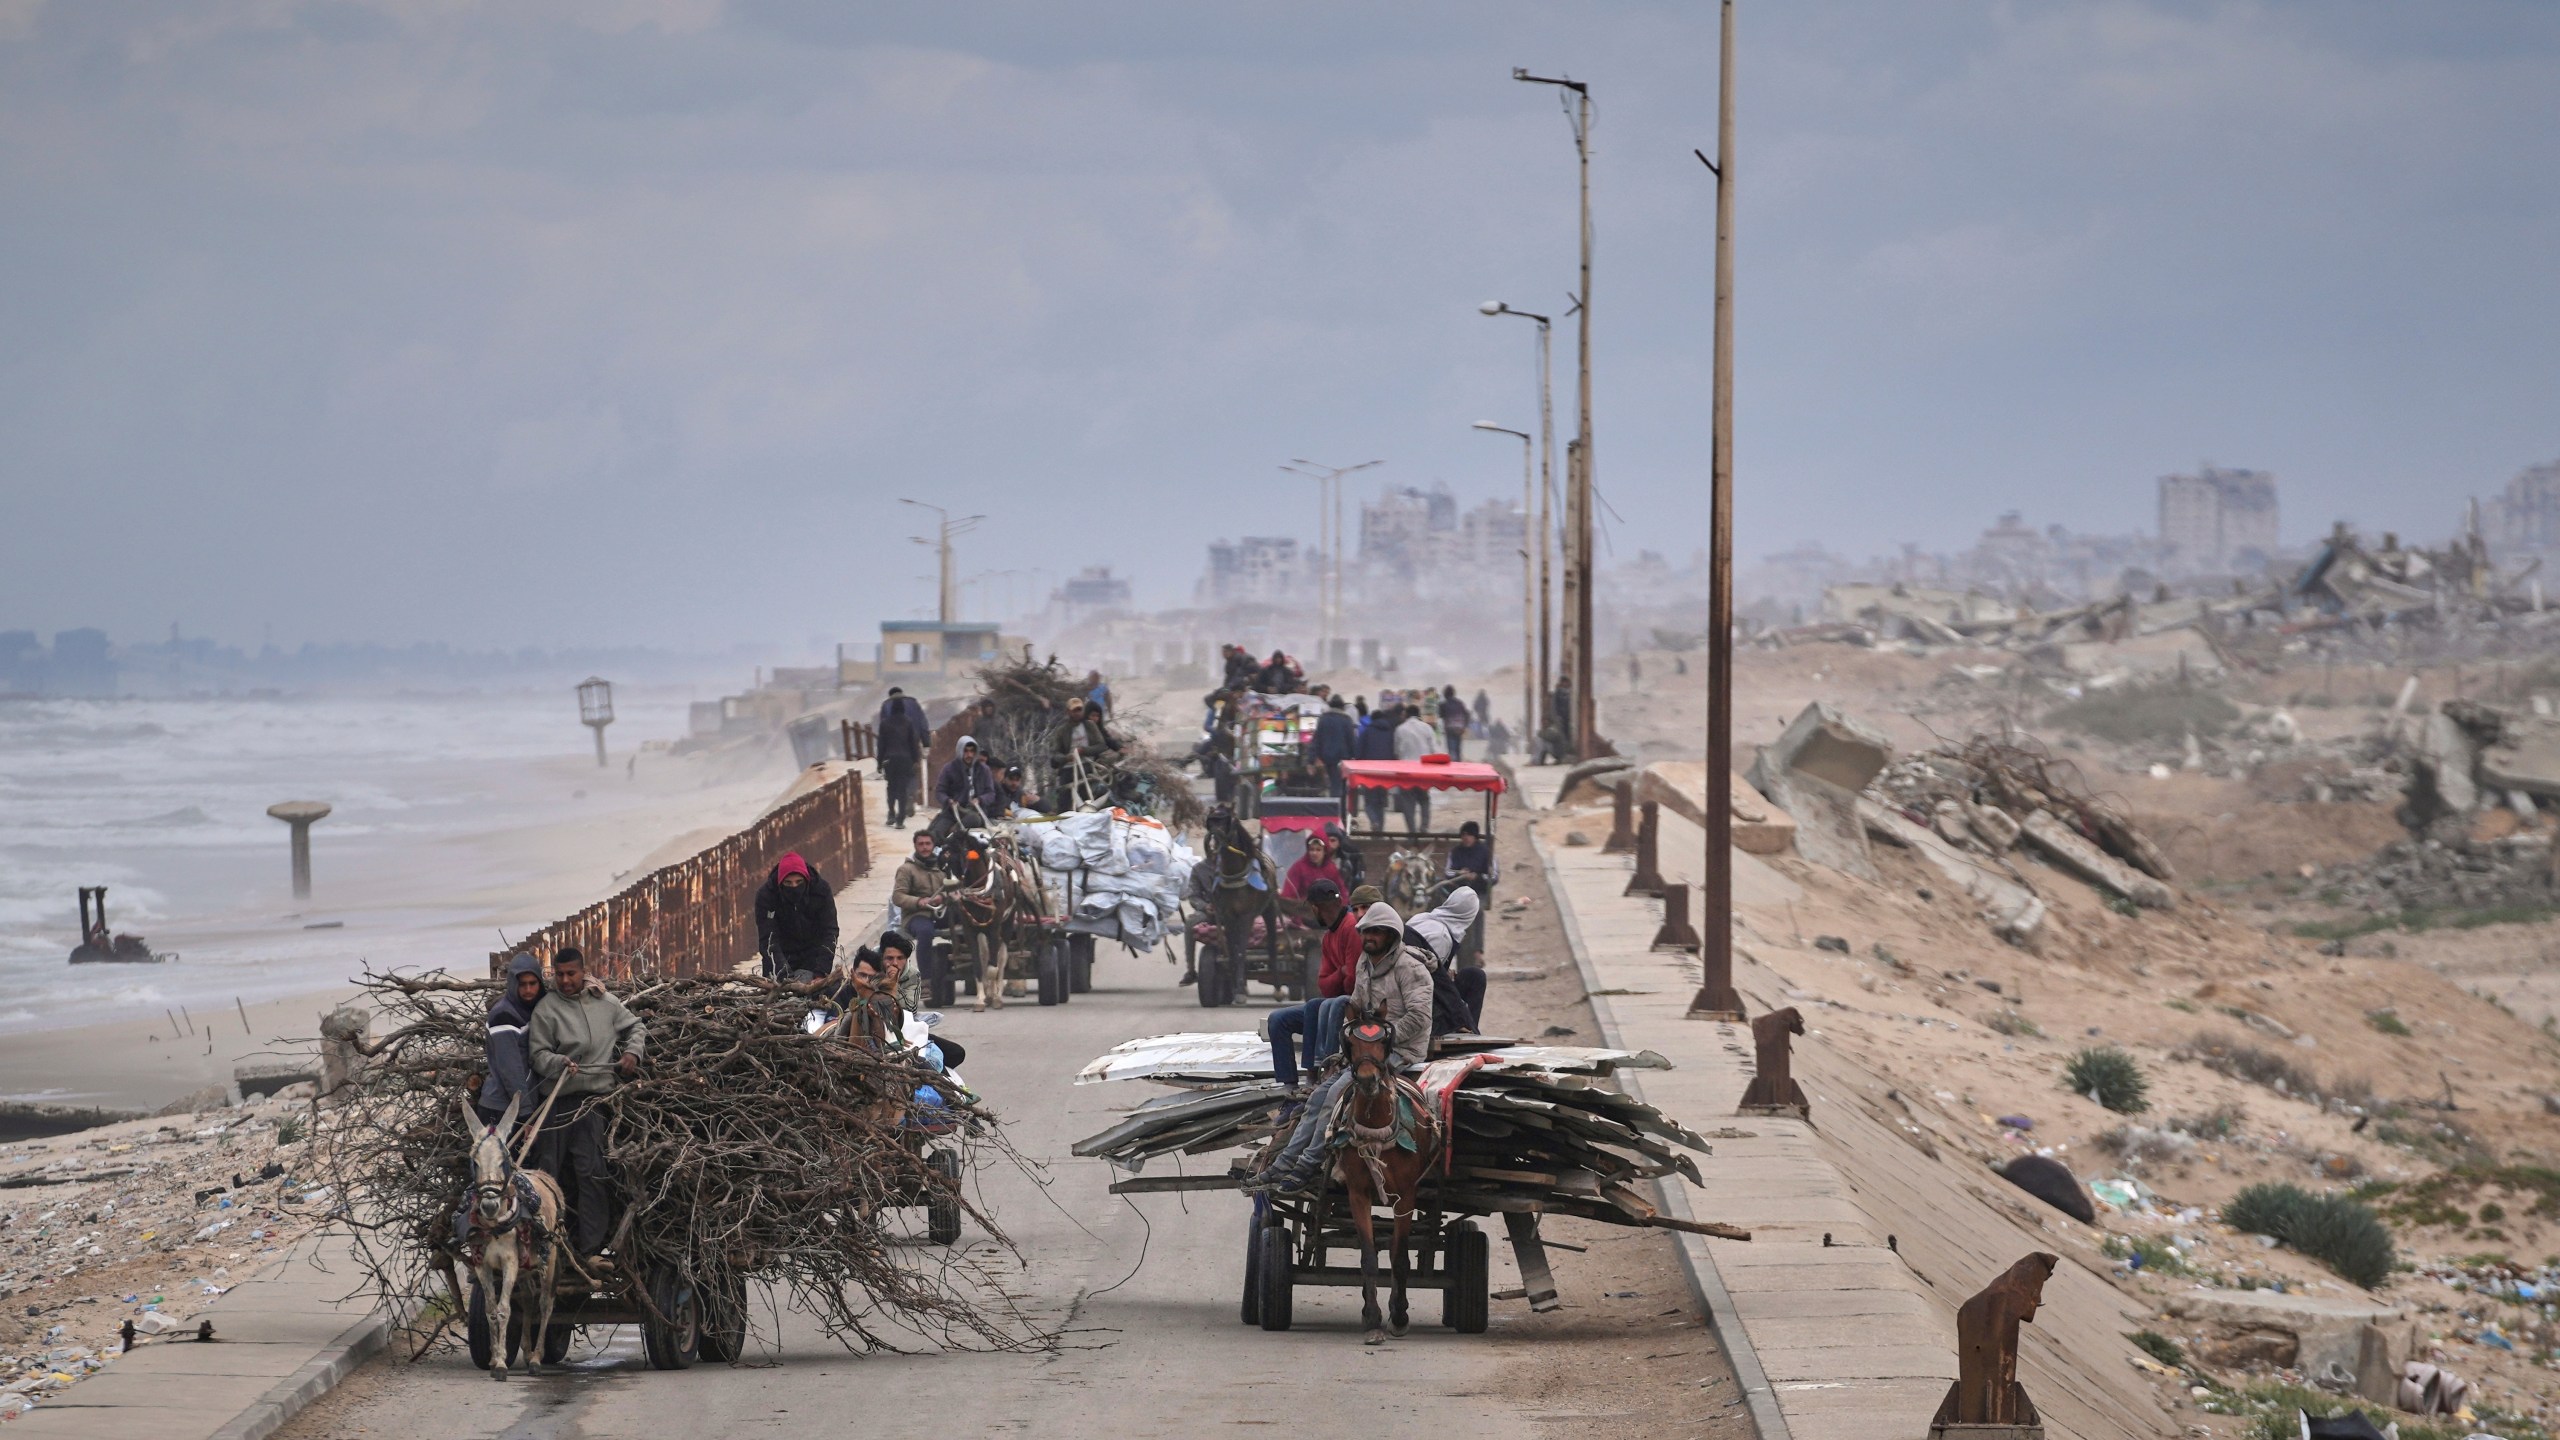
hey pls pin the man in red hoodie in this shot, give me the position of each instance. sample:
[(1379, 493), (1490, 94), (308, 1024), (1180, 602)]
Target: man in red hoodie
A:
[(1319, 1020)]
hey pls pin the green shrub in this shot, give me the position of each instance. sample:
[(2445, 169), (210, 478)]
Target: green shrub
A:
[(2010, 1022), (2158, 1346), (2388, 1022), (2332, 1229), (2109, 1076), (289, 1129)]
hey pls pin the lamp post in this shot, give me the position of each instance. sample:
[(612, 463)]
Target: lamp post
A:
[(1546, 525), (1528, 589), (1716, 996), (1580, 472), (1331, 585), (947, 600), (595, 709)]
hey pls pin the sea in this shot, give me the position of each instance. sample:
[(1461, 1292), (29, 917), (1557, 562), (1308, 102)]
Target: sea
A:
[(164, 802)]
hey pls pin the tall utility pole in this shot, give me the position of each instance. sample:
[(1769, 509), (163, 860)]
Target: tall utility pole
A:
[(1580, 470), (1716, 997), (947, 601), (1544, 540), (1331, 581), (1528, 585)]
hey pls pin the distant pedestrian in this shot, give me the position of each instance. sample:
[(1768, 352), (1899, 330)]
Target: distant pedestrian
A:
[(1376, 740), (1413, 740), (900, 738), (1484, 712), (1454, 717), (1334, 737)]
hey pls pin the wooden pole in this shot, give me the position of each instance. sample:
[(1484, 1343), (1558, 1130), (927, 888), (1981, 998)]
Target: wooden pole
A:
[(1716, 997)]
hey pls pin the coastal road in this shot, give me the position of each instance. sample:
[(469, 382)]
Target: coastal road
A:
[(1145, 1292)]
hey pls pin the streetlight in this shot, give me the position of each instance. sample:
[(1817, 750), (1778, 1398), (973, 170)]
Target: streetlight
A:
[(947, 600), (1324, 475), (1528, 598), (1580, 472), (1546, 492)]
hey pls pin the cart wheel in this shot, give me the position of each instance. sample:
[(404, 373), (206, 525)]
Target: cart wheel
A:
[(475, 1329), (1279, 1278), (939, 993), (1080, 951), (1213, 979), (670, 1343), (1253, 1267), (1467, 1304), (942, 1210), (724, 1324), (1053, 979), (555, 1341)]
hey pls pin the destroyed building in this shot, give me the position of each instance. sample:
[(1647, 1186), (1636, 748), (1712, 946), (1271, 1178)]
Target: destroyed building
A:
[(2217, 521)]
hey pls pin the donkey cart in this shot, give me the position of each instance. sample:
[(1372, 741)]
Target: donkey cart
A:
[(679, 1321)]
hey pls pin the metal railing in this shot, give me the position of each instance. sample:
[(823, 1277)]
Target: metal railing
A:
[(861, 742), (697, 916)]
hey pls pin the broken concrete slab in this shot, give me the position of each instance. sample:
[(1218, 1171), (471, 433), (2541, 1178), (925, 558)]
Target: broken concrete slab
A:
[(1814, 773), (2012, 910), (2445, 758), (2526, 760), (2325, 1334), (2067, 849), (2169, 652), (1680, 787)]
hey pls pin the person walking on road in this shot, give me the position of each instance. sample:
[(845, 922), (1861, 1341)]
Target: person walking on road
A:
[(1335, 735), (902, 736), (510, 1068), (1414, 739), (1377, 741), (582, 1043), (796, 922), (1454, 719)]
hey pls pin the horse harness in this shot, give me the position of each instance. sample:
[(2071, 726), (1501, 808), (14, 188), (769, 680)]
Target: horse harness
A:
[(1415, 1126), (522, 1219)]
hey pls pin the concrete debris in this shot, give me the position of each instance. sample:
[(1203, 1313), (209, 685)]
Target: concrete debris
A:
[(1814, 773), (2014, 912), (1759, 827), (2324, 1334), (2086, 861)]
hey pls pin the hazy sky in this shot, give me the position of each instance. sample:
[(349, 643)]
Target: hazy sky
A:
[(627, 320)]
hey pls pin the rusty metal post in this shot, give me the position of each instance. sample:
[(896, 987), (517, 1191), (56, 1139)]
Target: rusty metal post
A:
[(1622, 819), (1986, 1402), (1647, 880), (1773, 1090), (1716, 997), (1675, 933), (848, 740)]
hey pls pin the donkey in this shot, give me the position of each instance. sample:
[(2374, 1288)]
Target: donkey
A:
[(1395, 1140), (510, 1226)]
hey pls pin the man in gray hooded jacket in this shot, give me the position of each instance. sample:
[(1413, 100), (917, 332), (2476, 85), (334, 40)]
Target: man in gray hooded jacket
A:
[(1392, 986), (583, 1041)]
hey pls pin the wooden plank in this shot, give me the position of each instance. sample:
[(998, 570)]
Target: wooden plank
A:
[(1160, 1184)]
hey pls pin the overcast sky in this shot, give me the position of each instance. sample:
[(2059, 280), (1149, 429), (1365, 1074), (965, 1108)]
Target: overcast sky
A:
[(628, 320)]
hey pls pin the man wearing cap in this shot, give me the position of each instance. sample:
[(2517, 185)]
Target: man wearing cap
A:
[(1390, 985), (1317, 1022), (796, 922)]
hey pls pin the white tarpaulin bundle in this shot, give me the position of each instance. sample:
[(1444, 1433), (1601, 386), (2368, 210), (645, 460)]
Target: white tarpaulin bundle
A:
[(1111, 865)]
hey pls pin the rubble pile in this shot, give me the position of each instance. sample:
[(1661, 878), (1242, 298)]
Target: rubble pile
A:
[(145, 1222), (2433, 875), (1989, 795)]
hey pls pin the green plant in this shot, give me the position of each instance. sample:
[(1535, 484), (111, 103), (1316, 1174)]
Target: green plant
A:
[(2158, 1346), (2188, 1006), (2332, 1229), (2109, 1076), (2123, 906), (291, 1129), (2388, 1022), (2248, 1062), (2010, 1022)]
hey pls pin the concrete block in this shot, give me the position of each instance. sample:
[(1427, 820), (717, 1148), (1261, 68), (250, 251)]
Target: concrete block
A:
[(1824, 743), (2011, 909), (1680, 786), (2094, 865), (2527, 760), (2323, 1331)]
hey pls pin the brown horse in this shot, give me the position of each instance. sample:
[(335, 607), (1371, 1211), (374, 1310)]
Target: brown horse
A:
[(1395, 1140)]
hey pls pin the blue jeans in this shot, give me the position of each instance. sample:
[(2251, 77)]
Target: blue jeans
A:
[(1318, 1021)]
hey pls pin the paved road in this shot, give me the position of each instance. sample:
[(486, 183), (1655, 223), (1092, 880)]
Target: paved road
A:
[(1146, 1293)]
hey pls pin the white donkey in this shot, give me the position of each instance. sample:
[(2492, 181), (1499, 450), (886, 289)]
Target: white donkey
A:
[(510, 1226)]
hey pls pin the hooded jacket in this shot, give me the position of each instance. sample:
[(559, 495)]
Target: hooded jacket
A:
[(1334, 735), (1377, 739), (1441, 930), (796, 924), (510, 1064), (1395, 989), (904, 732), (591, 1028), (1340, 958), (966, 782)]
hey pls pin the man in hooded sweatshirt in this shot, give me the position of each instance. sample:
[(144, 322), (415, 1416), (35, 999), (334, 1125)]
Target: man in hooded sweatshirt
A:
[(510, 1068), (796, 922), (1392, 985), (583, 1042), (965, 791), (1457, 993)]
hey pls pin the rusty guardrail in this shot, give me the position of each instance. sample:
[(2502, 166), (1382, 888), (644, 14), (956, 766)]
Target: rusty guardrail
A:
[(697, 916)]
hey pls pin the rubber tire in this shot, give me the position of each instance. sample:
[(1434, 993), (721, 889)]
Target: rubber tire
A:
[(1252, 1308), (1279, 1278), (475, 1328), (556, 1341), (942, 1209), (1213, 979), (1080, 953), (941, 993), (724, 1326), (1052, 987), (672, 1347), (1467, 1305)]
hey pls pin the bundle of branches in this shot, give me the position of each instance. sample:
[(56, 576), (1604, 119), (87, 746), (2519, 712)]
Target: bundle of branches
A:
[(1526, 1140), (2021, 776), (744, 1149), (1020, 705)]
